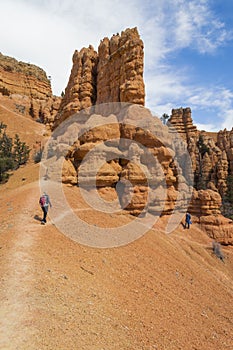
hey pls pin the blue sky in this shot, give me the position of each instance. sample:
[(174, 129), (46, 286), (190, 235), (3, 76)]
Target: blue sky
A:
[(188, 47)]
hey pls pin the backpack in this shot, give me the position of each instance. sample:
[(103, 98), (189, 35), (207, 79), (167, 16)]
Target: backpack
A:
[(43, 200)]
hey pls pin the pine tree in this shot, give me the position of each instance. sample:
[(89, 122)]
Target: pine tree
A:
[(21, 152), (5, 145), (6, 164), (2, 127), (164, 118), (200, 183), (202, 147), (12, 154)]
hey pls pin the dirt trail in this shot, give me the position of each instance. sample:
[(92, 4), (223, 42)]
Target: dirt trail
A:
[(17, 269)]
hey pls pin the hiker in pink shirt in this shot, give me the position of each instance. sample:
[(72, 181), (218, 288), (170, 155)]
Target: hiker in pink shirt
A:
[(45, 203)]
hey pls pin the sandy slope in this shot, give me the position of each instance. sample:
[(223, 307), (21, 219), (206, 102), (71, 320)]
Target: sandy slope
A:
[(159, 292), (28, 130), (163, 292)]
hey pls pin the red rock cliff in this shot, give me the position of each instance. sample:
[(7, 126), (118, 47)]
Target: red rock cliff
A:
[(114, 74), (30, 88)]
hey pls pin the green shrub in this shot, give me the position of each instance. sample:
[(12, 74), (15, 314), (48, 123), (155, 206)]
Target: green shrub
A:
[(13, 153)]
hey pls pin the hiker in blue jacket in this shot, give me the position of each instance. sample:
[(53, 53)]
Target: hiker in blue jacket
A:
[(187, 220), (45, 203)]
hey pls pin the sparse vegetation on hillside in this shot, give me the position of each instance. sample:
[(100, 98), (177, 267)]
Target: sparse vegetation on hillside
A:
[(10, 64), (202, 147), (200, 182), (13, 153)]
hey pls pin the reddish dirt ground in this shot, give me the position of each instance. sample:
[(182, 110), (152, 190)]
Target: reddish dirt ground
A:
[(164, 292)]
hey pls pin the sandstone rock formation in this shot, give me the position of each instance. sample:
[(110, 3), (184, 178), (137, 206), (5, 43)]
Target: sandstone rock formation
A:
[(182, 120), (212, 161), (23, 79), (205, 202), (29, 87), (205, 206), (219, 228), (80, 92), (160, 187), (212, 164), (120, 69), (128, 151), (114, 74)]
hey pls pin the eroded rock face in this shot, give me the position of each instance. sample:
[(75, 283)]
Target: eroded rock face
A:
[(225, 143), (212, 160), (212, 163), (114, 74), (30, 88), (129, 151), (206, 202), (131, 155), (181, 118), (80, 92), (23, 79), (120, 69), (205, 206), (218, 227)]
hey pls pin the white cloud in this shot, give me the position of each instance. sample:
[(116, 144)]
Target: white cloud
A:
[(217, 103), (206, 127), (186, 25), (216, 97), (228, 120), (212, 105), (164, 90), (196, 26), (46, 33)]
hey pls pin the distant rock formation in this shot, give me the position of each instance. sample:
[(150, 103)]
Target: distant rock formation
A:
[(212, 162), (29, 87), (114, 74), (181, 118)]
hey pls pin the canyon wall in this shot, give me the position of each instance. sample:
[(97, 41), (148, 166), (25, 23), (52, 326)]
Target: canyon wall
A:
[(212, 160), (212, 165), (30, 88)]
